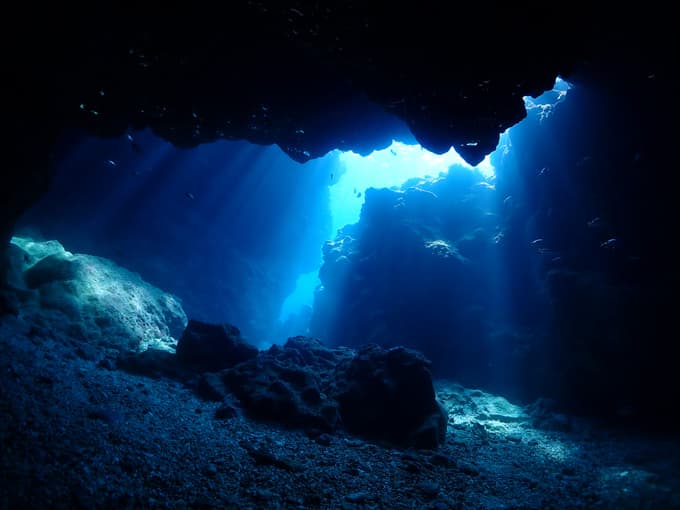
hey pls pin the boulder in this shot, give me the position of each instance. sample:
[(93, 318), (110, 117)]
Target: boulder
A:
[(212, 347), (388, 395)]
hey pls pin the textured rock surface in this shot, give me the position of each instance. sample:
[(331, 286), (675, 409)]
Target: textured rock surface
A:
[(93, 300), (288, 384), (382, 395), (388, 395), (212, 347)]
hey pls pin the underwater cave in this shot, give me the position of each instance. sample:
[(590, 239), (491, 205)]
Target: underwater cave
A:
[(290, 260)]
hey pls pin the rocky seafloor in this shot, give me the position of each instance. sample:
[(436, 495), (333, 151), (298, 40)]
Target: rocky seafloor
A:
[(76, 434), (78, 431)]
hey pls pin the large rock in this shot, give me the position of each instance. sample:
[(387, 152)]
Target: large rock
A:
[(88, 298), (382, 395), (213, 347), (289, 384), (388, 395)]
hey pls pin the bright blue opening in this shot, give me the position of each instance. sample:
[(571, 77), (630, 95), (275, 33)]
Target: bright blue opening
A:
[(385, 168), (391, 167), (302, 296), (544, 105)]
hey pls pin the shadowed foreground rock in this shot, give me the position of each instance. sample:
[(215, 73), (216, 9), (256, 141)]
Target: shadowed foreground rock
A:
[(210, 347), (380, 394)]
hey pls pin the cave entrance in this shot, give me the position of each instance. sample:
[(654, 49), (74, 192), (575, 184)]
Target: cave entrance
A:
[(391, 167), (387, 168), (228, 226), (396, 166)]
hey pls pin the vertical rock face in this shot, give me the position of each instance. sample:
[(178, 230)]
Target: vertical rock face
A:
[(592, 179), (430, 268), (574, 227)]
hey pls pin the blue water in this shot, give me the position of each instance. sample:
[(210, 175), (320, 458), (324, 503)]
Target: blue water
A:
[(237, 231)]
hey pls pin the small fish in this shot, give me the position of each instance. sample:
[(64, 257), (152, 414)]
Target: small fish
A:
[(536, 242), (111, 163), (355, 191), (486, 185), (331, 177), (609, 243), (507, 200), (359, 195), (133, 143), (595, 222), (556, 260), (394, 153), (190, 195), (544, 170)]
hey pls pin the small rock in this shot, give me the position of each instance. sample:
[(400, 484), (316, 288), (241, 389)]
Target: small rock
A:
[(86, 352), (411, 467), (428, 488), (440, 459), (104, 414), (264, 494), (568, 471), (225, 412), (468, 469), (356, 497), (323, 440), (106, 364)]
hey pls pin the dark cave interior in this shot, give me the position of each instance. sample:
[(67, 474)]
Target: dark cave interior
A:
[(312, 78), (585, 241)]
